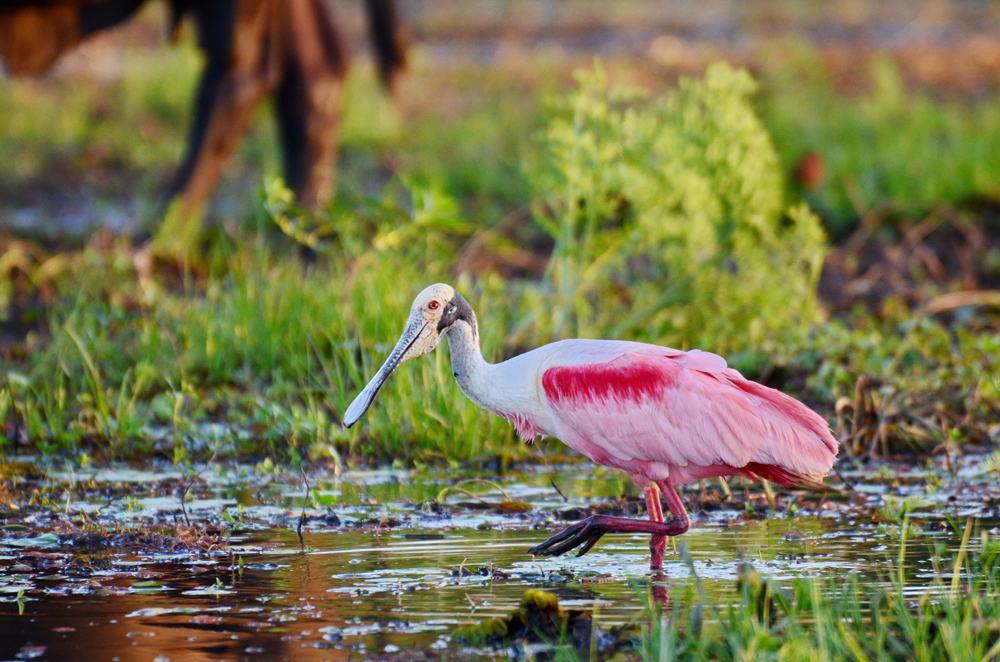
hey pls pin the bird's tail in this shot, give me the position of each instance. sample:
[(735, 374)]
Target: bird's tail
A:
[(815, 481), (781, 475)]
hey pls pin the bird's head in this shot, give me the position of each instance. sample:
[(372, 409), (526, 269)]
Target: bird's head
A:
[(435, 310)]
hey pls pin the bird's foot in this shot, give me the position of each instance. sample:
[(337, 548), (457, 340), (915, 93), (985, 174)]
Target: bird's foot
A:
[(587, 532)]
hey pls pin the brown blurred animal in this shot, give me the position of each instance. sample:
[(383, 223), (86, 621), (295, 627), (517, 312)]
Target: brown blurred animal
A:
[(254, 48)]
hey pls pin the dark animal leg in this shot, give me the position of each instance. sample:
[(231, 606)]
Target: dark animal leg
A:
[(586, 533), (103, 15), (215, 23), (239, 38), (390, 48), (308, 101)]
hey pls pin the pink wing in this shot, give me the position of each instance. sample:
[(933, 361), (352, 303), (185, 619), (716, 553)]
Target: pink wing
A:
[(654, 411)]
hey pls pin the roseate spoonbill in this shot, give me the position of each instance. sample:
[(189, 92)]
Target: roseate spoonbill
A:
[(662, 416)]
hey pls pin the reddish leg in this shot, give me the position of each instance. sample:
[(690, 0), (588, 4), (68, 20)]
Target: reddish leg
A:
[(676, 507), (586, 533), (657, 542)]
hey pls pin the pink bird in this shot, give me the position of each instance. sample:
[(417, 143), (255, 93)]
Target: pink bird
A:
[(662, 416)]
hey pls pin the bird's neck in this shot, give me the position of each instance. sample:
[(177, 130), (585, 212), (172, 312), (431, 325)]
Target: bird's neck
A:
[(467, 363), (507, 389)]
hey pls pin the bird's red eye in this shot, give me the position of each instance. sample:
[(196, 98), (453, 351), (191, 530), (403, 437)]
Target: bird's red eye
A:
[(433, 305)]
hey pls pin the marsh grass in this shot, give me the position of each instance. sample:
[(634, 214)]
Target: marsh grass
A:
[(138, 121), (258, 351), (272, 348), (263, 353)]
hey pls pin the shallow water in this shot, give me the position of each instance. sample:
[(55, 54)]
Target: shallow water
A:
[(384, 568)]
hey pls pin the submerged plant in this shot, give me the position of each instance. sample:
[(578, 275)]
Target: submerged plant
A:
[(669, 219)]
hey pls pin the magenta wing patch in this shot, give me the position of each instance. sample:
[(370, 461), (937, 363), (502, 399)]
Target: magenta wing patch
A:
[(622, 380)]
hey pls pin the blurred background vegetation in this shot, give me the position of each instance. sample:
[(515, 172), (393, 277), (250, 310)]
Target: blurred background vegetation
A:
[(823, 210)]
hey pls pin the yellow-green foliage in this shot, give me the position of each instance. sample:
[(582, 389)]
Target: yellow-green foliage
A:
[(669, 218)]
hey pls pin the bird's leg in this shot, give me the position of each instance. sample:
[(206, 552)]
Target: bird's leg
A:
[(681, 520), (587, 532), (658, 541)]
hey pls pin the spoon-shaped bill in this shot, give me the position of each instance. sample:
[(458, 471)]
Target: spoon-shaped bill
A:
[(414, 331)]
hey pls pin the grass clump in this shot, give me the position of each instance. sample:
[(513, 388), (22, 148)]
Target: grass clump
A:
[(669, 219), (953, 616)]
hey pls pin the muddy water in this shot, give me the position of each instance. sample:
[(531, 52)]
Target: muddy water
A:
[(385, 567)]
